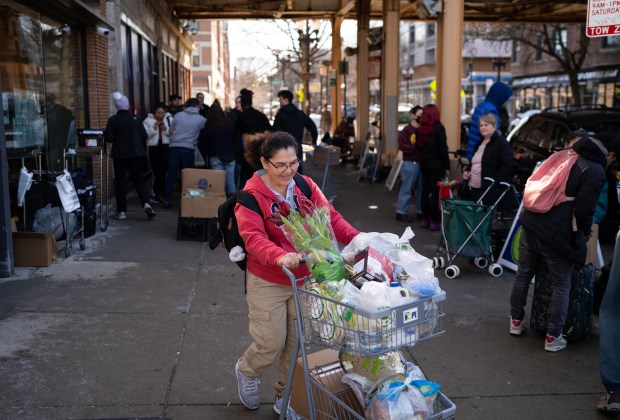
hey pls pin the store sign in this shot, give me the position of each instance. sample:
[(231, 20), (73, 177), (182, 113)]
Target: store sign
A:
[(603, 18)]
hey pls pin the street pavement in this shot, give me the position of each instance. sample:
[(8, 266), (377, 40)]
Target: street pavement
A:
[(140, 325)]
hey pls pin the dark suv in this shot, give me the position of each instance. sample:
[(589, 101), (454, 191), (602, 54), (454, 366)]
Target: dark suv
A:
[(544, 133)]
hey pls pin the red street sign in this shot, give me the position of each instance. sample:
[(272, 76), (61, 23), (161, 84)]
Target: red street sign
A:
[(603, 18)]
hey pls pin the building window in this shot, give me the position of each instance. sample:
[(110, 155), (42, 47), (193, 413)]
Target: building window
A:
[(430, 31), (559, 40), (611, 41), (42, 93), (516, 51), (195, 59), (539, 49)]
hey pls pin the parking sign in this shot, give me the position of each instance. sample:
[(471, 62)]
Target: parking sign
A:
[(603, 18)]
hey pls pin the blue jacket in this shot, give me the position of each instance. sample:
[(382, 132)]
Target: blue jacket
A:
[(185, 128), (497, 95)]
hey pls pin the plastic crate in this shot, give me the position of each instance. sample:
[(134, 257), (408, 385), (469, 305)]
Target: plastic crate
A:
[(338, 325), (196, 229)]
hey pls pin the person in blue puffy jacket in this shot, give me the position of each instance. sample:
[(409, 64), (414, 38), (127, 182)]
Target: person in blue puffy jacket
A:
[(497, 95)]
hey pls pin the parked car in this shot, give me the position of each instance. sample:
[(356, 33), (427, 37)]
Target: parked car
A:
[(545, 132)]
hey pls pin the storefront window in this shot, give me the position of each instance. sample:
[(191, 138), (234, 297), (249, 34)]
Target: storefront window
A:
[(40, 69)]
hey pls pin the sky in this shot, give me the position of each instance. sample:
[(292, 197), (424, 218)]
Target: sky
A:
[(251, 39)]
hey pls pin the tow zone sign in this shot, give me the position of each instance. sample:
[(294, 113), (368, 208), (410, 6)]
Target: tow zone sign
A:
[(603, 18)]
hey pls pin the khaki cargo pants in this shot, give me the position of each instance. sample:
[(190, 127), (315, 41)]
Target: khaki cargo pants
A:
[(272, 328)]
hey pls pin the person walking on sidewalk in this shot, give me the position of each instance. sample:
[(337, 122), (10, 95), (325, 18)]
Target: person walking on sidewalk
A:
[(410, 177), (293, 120), (249, 121), (550, 235), (127, 135), (434, 162), (184, 132), (157, 126), (217, 143), (269, 291)]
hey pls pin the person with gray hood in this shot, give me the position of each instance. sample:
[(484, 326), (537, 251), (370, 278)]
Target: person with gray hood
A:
[(184, 133), (552, 236)]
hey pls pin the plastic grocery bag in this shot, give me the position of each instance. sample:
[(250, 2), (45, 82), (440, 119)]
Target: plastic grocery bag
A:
[(25, 181), (51, 220), (401, 397), (66, 191)]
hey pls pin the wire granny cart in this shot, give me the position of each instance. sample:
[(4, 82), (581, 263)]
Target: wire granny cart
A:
[(324, 322), (466, 228)]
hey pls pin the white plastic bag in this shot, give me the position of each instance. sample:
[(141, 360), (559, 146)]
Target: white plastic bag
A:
[(66, 191), (52, 220), (25, 181)]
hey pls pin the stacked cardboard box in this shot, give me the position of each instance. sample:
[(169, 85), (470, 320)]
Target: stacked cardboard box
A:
[(203, 192)]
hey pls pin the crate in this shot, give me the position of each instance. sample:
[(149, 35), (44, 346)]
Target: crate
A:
[(196, 228)]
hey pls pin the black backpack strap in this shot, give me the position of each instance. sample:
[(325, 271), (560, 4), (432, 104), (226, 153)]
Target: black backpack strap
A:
[(303, 185), (248, 200)]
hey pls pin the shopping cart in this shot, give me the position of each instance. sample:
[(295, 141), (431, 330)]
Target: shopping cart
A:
[(325, 322), (466, 228)]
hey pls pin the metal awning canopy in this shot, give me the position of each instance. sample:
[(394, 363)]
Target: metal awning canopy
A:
[(544, 11)]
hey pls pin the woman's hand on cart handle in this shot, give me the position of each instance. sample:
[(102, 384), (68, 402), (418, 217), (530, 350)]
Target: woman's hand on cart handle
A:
[(290, 260)]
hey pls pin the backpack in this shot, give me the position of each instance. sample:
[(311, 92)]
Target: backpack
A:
[(546, 188), (227, 231)]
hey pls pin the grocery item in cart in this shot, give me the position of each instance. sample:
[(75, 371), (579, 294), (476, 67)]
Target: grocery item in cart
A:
[(401, 396)]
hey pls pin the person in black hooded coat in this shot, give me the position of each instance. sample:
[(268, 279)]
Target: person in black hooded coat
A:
[(551, 235), (292, 120)]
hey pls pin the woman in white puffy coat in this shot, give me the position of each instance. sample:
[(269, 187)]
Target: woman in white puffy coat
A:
[(157, 127)]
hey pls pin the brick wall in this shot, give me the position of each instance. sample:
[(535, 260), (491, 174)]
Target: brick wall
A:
[(99, 106)]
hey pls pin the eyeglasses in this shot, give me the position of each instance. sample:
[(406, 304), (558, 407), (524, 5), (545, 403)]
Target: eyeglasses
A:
[(281, 167)]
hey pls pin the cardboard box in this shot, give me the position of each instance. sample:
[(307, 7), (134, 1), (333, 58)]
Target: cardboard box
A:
[(214, 183), (33, 249), (325, 407)]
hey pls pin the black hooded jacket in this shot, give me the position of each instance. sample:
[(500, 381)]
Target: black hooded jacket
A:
[(554, 229), (292, 120)]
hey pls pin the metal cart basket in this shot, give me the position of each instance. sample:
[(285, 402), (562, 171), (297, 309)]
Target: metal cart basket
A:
[(325, 322)]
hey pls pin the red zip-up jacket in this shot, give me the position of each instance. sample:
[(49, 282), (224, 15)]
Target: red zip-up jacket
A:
[(265, 243)]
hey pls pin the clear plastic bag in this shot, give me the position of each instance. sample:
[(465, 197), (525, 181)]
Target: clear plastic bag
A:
[(401, 397)]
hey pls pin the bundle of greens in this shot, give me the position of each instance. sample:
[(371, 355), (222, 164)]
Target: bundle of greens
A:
[(309, 231)]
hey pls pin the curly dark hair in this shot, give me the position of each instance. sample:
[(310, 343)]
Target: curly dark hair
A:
[(266, 145)]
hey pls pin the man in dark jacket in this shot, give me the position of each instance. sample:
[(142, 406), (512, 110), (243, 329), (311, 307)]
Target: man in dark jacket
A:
[(127, 135), (552, 235), (292, 120), (249, 121)]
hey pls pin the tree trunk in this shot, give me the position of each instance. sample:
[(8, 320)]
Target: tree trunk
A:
[(574, 87)]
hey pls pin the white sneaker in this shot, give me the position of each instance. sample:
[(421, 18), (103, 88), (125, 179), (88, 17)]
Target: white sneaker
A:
[(121, 215), (516, 327), (555, 343), (248, 389), (150, 213)]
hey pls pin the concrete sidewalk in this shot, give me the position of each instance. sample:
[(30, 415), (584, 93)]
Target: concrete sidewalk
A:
[(139, 325)]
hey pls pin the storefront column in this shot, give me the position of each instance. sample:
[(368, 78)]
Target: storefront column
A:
[(390, 75), (363, 88), (336, 91), (6, 239), (449, 61)]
